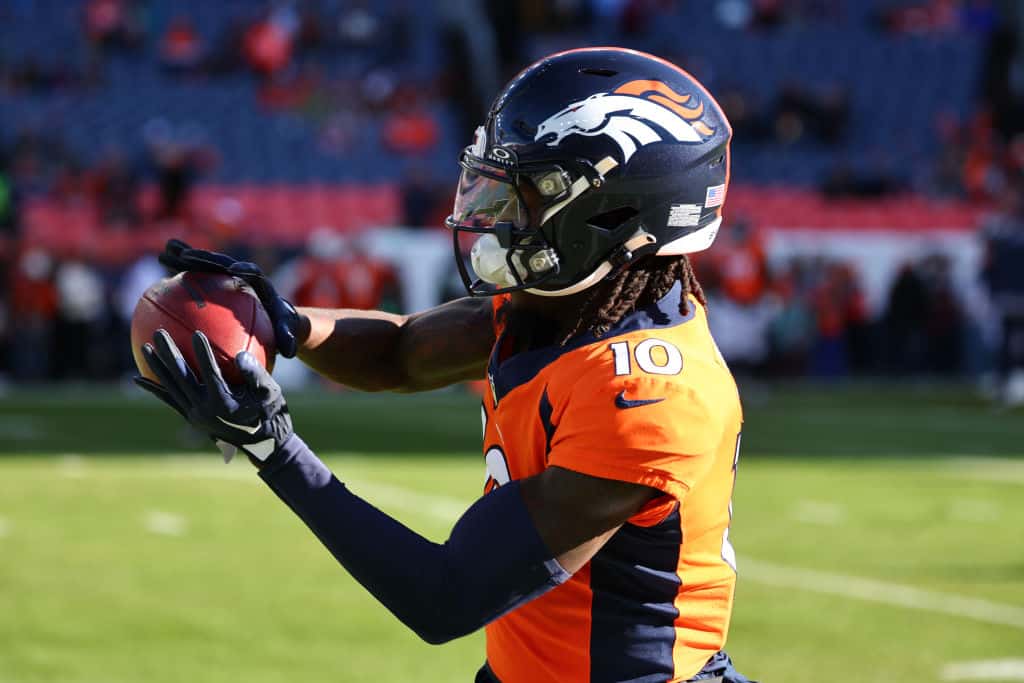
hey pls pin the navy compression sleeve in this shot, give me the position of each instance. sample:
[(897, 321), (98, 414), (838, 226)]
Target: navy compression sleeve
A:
[(493, 561)]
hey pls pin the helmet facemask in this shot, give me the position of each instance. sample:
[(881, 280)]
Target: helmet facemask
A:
[(506, 205)]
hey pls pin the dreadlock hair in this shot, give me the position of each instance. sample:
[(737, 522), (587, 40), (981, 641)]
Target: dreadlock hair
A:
[(641, 284)]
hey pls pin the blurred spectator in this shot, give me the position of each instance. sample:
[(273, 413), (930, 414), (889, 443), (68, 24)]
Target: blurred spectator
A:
[(905, 321), (822, 116), (269, 43), (33, 304), (1002, 83), (115, 187), (113, 24), (177, 162), (857, 333), (336, 274), (944, 326), (81, 315), (181, 48), (840, 317), (739, 258), (411, 129), (791, 332), (1003, 274)]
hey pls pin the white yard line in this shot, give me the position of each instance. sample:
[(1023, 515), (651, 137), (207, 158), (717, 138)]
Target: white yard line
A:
[(984, 670), (401, 497), (884, 592)]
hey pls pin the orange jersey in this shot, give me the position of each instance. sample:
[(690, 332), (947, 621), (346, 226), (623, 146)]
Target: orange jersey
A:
[(653, 403)]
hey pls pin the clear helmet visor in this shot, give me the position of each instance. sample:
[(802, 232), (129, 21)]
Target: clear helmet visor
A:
[(482, 201)]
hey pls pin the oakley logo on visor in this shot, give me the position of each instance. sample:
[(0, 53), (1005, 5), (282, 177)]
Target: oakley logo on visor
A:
[(501, 153)]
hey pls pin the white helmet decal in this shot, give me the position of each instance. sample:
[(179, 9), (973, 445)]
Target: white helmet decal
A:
[(626, 115)]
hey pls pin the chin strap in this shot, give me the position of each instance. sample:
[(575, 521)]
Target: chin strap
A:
[(699, 240)]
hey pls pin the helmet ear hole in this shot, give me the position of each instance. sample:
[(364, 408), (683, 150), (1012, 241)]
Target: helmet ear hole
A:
[(610, 220)]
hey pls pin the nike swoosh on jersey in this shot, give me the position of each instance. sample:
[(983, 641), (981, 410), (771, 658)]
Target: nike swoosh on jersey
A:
[(245, 428), (624, 403)]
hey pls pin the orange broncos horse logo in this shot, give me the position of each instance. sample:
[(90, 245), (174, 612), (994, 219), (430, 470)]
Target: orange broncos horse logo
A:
[(626, 116)]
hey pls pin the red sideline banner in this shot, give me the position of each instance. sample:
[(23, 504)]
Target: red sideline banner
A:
[(283, 214)]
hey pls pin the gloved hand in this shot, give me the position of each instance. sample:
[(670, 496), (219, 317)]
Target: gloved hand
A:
[(252, 416), (179, 256)]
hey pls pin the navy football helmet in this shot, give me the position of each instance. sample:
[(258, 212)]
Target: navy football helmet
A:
[(589, 159)]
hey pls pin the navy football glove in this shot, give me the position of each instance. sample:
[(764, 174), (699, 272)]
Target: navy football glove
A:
[(252, 416), (179, 256)]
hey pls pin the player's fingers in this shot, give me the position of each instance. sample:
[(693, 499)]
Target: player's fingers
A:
[(256, 376), (169, 354), (211, 261), (171, 255), (209, 370), (158, 391), (165, 375), (285, 319), (260, 284), (284, 337), (245, 269), (175, 246)]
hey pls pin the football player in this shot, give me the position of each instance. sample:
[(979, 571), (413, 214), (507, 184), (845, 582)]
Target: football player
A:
[(600, 550)]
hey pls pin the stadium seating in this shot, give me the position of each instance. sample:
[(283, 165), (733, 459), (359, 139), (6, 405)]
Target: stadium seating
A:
[(224, 112)]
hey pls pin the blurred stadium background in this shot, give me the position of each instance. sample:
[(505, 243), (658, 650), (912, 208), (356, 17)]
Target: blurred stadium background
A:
[(868, 290)]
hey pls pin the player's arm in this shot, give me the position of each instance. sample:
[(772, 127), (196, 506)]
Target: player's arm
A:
[(368, 350), (575, 514), (510, 547), (377, 351)]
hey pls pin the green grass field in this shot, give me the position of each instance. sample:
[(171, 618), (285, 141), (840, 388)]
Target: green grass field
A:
[(879, 533)]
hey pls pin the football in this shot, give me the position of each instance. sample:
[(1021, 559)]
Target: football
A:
[(223, 307)]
